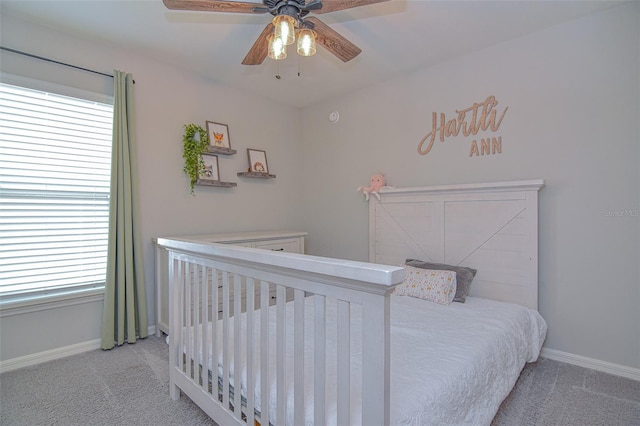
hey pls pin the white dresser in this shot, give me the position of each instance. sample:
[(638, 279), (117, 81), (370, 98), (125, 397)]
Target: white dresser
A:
[(289, 241)]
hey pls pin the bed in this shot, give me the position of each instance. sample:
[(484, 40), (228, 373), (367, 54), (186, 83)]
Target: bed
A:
[(338, 344)]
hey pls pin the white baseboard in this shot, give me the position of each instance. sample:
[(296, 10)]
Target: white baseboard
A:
[(50, 355), (53, 354), (594, 364), (581, 361)]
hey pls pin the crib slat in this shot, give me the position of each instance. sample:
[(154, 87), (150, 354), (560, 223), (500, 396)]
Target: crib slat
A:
[(320, 355), (187, 312), (281, 402), (264, 353), (376, 370), (225, 339), (344, 357), (215, 280), (250, 413), (298, 358), (195, 309), (180, 316), (175, 333), (204, 340), (237, 347)]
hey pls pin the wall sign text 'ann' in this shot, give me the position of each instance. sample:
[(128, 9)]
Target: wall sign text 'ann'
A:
[(478, 117)]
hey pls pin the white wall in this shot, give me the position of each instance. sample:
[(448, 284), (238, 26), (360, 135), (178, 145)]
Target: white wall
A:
[(166, 99), (573, 93)]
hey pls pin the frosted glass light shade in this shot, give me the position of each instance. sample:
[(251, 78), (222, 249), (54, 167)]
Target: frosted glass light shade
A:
[(306, 42), (284, 28), (277, 50)]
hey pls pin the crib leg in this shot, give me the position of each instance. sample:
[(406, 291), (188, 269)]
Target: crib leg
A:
[(174, 392)]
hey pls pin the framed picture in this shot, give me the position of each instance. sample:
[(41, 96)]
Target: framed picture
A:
[(218, 135), (257, 161), (211, 171)]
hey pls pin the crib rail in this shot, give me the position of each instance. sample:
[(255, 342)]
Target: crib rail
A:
[(239, 316)]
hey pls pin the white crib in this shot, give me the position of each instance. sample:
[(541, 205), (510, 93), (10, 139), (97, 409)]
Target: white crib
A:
[(206, 274)]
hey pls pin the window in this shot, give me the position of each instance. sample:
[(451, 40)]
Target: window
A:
[(55, 165)]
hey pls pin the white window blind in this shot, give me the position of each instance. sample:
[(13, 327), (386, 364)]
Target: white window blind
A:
[(55, 157)]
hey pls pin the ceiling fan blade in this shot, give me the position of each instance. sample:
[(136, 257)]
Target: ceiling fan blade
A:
[(334, 42), (334, 5), (260, 48), (215, 6)]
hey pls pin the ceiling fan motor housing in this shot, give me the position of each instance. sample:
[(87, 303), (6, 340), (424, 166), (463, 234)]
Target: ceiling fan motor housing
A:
[(294, 8)]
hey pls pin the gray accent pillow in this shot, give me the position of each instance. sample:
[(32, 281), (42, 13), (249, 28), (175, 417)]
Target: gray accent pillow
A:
[(464, 275)]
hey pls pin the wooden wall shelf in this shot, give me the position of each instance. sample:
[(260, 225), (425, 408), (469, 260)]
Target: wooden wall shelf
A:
[(213, 150), (218, 183), (256, 175)]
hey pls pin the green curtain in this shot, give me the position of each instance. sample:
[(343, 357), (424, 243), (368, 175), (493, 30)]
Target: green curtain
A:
[(125, 306)]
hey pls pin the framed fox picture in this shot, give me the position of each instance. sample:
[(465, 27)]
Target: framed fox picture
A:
[(218, 135)]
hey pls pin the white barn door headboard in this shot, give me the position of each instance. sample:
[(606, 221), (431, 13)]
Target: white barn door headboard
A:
[(489, 227)]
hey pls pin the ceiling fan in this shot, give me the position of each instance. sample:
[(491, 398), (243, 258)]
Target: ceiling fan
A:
[(290, 20)]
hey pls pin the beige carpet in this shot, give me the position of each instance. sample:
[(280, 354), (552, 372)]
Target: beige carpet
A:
[(129, 385), (554, 393)]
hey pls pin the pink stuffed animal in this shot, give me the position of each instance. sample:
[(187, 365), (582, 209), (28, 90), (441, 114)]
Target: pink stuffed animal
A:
[(376, 182)]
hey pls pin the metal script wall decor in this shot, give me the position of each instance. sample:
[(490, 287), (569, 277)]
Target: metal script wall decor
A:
[(478, 117)]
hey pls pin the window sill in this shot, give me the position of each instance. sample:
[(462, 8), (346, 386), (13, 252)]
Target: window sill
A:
[(15, 306)]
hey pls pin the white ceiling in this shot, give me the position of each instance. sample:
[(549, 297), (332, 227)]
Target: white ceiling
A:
[(396, 37)]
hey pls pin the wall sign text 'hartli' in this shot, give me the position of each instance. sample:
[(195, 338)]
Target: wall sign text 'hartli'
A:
[(478, 117)]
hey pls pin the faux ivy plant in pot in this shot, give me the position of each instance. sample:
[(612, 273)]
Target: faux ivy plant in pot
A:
[(192, 149)]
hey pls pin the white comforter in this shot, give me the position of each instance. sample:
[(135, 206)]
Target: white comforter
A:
[(455, 364), (450, 365)]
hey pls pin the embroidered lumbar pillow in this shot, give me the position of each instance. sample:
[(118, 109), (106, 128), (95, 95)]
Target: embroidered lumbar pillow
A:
[(429, 284), (464, 275)]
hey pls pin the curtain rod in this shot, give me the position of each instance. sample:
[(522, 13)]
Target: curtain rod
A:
[(55, 62)]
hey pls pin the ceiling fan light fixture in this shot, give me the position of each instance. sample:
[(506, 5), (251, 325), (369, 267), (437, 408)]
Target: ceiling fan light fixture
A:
[(288, 15), (285, 28), (277, 49), (306, 42)]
